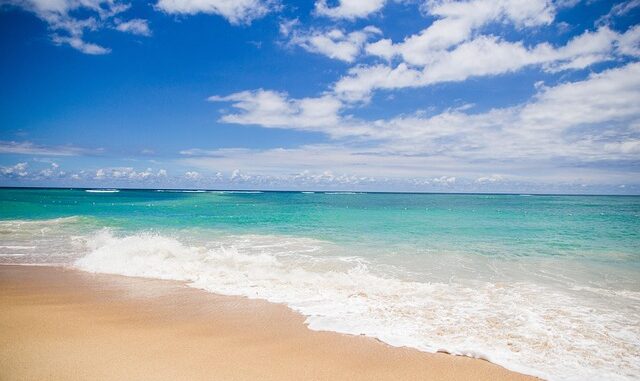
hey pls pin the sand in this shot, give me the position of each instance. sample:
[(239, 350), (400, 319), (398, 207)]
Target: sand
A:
[(62, 324)]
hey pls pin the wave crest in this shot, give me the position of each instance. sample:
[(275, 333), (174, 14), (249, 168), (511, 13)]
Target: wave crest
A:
[(518, 325)]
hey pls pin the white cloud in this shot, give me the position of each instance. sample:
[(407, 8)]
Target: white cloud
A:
[(458, 20), (576, 121), (629, 42), (610, 97), (328, 177), (17, 170), (490, 179), (335, 164), (55, 174), (70, 20), (138, 27), (620, 9), (348, 9), (128, 174), (453, 48), (275, 110), (192, 175), (560, 129), (235, 11), (333, 43), (287, 27), (28, 148), (81, 45), (52, 171), (362, 80), (67, 28), (238, 176), (485, 56), (444, 180), (630, 146)]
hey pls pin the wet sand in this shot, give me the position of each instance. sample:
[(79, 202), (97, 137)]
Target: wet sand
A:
[(62, 324)]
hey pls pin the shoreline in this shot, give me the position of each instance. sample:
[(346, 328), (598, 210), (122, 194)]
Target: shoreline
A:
[(64, 324)]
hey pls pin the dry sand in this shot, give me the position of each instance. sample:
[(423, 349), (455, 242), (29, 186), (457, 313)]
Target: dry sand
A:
[(60, 324)]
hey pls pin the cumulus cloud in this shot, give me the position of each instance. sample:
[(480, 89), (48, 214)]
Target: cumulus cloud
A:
[(67, 27), (490, 179), (444, 180), (609, 99), (333, 43), (328, 177), (456, 22), (574, 120), (573, 123), (558, 134), (486, 56), (17, 170), (453, 48), (128, 174), (52, 171), (192, 175), (629, 43), (377, 168), (239, 176), (348, 9), (235, 11), (276, 110)]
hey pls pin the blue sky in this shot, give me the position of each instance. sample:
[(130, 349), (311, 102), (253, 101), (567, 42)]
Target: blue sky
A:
[(388, 95)]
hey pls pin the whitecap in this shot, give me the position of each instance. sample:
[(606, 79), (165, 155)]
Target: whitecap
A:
[(102, 190)]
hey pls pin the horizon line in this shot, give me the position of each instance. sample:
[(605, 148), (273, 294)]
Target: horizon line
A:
[(325, 191)]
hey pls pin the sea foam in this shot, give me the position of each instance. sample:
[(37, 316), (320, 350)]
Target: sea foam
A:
[(523, 326)]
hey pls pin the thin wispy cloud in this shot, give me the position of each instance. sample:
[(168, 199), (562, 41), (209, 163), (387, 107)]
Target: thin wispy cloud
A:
[(67, 28), (28, 148), (138, 27)]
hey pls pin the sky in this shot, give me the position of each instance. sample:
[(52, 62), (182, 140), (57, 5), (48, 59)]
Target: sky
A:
[(525, 96)]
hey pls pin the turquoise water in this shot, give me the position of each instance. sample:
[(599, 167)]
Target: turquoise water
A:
[(521, 280)]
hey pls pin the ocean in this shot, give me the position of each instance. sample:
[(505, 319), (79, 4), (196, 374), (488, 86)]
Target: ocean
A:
[(545, 285)]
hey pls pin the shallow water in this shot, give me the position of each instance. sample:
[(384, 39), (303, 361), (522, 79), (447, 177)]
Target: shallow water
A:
[(545, 285)]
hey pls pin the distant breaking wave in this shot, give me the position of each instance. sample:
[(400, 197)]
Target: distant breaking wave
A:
[(180, 190), (237, 192), (102, 190)]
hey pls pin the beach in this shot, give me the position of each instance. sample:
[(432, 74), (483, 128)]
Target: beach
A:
[(62, 324), (325, 285)]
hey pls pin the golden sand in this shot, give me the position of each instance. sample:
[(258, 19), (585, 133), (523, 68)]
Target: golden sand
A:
[(58, 324)]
